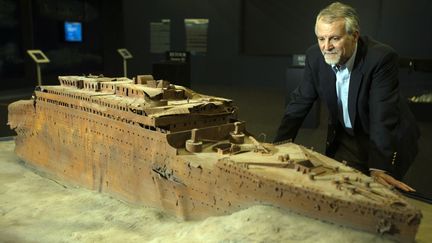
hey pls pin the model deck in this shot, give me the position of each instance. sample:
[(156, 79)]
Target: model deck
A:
[(153, 143)]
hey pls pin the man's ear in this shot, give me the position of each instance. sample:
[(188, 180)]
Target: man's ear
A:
[(356, 35)]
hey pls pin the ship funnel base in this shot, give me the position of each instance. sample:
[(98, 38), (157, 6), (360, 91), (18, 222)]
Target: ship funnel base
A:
[(194, 147), (237, 138)]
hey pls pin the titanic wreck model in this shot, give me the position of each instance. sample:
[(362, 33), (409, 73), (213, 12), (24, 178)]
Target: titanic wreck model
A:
[(151, 142)]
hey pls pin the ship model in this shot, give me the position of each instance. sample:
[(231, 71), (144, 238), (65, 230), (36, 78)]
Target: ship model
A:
[(150, 142)]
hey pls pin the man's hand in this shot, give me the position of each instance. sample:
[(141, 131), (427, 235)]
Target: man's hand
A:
[(388, 180)]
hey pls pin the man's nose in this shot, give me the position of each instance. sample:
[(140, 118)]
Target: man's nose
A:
[(328, 45)]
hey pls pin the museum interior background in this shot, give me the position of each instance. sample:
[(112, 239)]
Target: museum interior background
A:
[(251, 53)]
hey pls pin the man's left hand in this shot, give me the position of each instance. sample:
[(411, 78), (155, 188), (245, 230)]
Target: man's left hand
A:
[(388, 180)]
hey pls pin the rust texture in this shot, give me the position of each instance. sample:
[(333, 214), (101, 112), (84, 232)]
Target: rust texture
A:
[(154, 143)]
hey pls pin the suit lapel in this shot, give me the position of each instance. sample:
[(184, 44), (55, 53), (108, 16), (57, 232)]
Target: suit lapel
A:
[(354, 87), (329, 79), (355, 82)]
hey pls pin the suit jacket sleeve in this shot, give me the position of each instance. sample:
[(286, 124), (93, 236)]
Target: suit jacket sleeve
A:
[(302, 99), (384, 112)]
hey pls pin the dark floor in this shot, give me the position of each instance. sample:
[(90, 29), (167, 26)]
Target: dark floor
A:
[(262, 110)]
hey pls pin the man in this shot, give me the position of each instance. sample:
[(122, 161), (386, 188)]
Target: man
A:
[(370, 125)]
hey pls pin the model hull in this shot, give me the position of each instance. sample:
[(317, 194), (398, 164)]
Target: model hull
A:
[(146, 166)]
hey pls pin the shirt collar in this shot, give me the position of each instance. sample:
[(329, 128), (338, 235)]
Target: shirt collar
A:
[(349, 64)]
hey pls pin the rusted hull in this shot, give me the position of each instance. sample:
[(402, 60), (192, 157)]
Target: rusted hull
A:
[(107, 156), (73, 140)]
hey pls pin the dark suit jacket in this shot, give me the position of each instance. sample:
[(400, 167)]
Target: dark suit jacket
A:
[(375, 105)]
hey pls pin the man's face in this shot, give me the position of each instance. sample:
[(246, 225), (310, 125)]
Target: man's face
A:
[(335, 43)]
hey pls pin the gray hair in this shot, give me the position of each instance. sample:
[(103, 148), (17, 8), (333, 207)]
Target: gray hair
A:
[(337, 11)]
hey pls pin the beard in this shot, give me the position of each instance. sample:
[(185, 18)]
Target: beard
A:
[(332, 58)]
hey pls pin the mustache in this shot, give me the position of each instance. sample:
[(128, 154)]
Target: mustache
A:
[(329, 52)]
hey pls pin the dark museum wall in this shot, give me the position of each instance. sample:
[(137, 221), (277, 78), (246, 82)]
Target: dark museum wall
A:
[(223, 70), (38, 24)]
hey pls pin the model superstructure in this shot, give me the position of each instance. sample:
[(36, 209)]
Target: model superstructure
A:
[(151, 142)]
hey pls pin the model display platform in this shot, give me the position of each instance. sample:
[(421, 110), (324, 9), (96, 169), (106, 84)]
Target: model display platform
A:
[(150, 142)]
